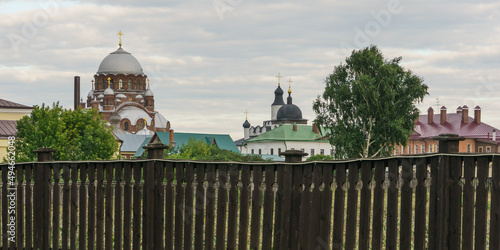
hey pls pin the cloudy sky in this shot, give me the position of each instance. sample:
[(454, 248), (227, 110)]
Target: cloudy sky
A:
[(210, 60)]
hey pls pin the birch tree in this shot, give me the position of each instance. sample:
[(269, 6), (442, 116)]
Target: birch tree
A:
[(369, 104)]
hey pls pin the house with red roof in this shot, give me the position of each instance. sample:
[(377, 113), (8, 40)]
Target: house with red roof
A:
[(10, 113), (479, 137)]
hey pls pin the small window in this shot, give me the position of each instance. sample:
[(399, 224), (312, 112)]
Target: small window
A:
[(488, 149), (312, 151), (137, 84), (469, 148), (480, 149), (260, 151), (423, 149), (272, 151), (120, 84), (303, 150), (408, 148), (141, 125), (111, 83), (279, 151), (322, 151), (416, 149), (125, 126), (331, 152), (129, 84), (253, 152), (104, 84)]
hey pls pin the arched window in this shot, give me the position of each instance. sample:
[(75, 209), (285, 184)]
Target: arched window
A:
[(103, 84), (125, 126), (120, 84), (129, 84), (112, 85), (137, 84), (140, 124)]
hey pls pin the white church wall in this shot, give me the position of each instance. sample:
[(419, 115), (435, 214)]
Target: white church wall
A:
[(276, 146)]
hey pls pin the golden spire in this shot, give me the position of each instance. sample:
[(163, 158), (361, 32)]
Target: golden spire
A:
[(145, 122), (289, 86), (148, 83), (279, 76), (109, 82), (120, 34), (246, 114), (92, 84)]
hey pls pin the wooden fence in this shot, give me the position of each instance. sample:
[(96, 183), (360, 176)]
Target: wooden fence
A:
[(439, 201)]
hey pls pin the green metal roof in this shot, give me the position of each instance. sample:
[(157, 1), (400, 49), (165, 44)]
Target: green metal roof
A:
[(286, 133), (222, 141)]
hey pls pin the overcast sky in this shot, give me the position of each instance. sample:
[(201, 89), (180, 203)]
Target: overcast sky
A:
[(210, 60)]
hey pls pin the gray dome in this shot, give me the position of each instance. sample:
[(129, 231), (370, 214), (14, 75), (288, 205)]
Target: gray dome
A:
[(148, 92), (115, 118), (289, 112), (91, 93), (109, 91), (120, 62), (246, 124)]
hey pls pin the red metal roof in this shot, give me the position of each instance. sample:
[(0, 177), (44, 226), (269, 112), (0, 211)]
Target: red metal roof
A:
[(453, 125), (7, 128), (8, 104)]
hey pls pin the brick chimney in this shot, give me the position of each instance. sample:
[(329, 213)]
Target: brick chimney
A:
[(443, 115), (477, 114), (430, 115), (315, 128), (294, 127), (171, 137), (465, 114), (459, 110)]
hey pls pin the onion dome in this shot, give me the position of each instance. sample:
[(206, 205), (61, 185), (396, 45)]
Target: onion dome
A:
[(246, 124), (278, 96)]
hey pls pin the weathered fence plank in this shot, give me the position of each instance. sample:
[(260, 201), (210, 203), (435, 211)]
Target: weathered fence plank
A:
[(244, 207), (352, 206), (455, 193), (267, 224), (127, 206), (468, 204), (339, 207), (221, 206), (392, 205), (495, 206), (481, 202), (169, 206), (118, 226), (232, 220), (256, 206), (211, 178), (378, 205), (406, 204), (91, 207), (365, 205), (199, 206), (420, 204)]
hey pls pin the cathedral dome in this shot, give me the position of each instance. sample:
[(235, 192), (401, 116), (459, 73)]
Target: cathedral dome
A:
[(246, 124), (91, 93), (289, 112), (120, 62)]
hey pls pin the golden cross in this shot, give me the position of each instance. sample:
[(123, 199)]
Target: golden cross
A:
[(246, 114), (289, 86), (130, 98), (145, 121), (148, 83), (109, 81), (279, 76), (92, 84), (120, 34)]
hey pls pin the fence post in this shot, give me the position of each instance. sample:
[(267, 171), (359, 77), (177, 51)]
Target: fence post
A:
[(155, 151), (448, 143), (41, 193), (293, 156)]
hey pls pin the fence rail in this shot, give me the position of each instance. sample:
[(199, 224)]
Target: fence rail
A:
[(439, 201)]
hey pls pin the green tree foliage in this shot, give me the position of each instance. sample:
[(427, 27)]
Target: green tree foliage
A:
[(74, 135), (368, 104), (200, 150), (320, 158)]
